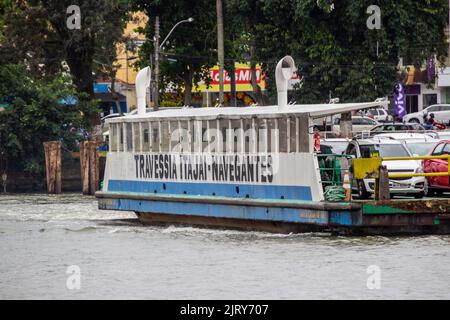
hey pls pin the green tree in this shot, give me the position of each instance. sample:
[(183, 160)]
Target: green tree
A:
[(37, 34), (36, 114), (336, 53), (188, 54)]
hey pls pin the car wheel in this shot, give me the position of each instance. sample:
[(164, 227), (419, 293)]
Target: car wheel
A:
[(362, 191), (414, 120)]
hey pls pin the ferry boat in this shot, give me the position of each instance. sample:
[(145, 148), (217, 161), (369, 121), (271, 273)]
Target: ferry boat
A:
[(252, 168)]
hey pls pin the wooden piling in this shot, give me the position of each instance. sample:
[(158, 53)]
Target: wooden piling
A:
[(53, 166), (90, 169)]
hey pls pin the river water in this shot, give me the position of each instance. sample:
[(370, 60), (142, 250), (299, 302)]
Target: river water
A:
[(45, 241)]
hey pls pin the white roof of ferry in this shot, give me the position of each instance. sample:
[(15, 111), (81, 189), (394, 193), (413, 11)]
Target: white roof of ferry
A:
[(313, 110)]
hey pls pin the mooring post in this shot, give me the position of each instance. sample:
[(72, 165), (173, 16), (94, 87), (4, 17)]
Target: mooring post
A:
[(90, 168), (53, 166), (4, 181), (382, 191)]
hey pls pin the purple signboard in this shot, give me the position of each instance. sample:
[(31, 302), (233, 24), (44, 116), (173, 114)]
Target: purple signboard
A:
[(400, 100), (431, 69)]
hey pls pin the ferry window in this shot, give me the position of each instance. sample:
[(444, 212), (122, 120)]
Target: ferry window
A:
[(154, 145), (223, 127), (235, 136), (213, 137), (113, 137), (165, 136), (263, 135), (146, 137), (181, 141), (173, 134), (205, 141), (137, 137), (293, 134), (129, 136), (250, 137), (273, 135), (120, 129), (282, 127)]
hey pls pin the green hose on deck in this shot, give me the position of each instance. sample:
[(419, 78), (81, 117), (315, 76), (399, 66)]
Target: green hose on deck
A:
[(334, 194)]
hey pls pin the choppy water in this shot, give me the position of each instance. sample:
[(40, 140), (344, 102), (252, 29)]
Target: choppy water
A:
[(41, 236)]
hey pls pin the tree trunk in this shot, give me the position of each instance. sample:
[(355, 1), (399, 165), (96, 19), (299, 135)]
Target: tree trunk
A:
[(257, 93), (80, 64), (188, 87), (232, 74), (115, 95)]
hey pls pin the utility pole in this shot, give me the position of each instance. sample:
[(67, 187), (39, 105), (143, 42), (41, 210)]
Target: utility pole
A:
[(220, 49), (156, 78)]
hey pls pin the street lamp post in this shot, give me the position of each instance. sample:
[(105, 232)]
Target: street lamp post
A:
[(158, 48)]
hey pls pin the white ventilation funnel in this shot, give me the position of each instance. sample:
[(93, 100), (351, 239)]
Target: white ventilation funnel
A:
[(143, 79), (283, 73)]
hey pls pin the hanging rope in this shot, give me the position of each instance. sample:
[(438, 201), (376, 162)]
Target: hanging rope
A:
[(334, 194)]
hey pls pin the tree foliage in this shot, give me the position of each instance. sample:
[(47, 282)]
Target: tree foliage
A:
[(36, 114), (36, 34), (337, 54), (190, 49)]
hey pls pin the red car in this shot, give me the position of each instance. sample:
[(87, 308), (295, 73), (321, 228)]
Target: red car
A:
[(437, 185)]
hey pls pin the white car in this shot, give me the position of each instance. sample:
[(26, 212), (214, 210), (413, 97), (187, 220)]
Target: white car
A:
[(333, 146), (359, 124), (379, 114), (418, 144), (441, 114), (387, 148)]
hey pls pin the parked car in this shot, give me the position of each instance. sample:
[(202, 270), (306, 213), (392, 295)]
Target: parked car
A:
[(418, 144), (443, 135), (379, 114), (365, 148), (333, 146), (437, 185), (397, 127), (441, 114), (359, 124)]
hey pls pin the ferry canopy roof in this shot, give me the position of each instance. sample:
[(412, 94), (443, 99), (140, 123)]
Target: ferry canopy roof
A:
[(312, 110)]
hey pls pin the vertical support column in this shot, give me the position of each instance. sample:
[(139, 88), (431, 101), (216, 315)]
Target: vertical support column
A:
[(53, 166), (150, 136), (241, 137), (288, 134), (141, 138), (346, 125), (297, 131)]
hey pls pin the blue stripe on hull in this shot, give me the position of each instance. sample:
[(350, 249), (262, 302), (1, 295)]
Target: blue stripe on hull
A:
[(213, 189), (305, 216)]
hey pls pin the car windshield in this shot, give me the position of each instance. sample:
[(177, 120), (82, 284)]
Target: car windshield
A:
[(336, 147), (385, 150), (419, 148)]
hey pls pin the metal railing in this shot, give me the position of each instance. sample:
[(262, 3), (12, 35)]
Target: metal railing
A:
[(334, 174)]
